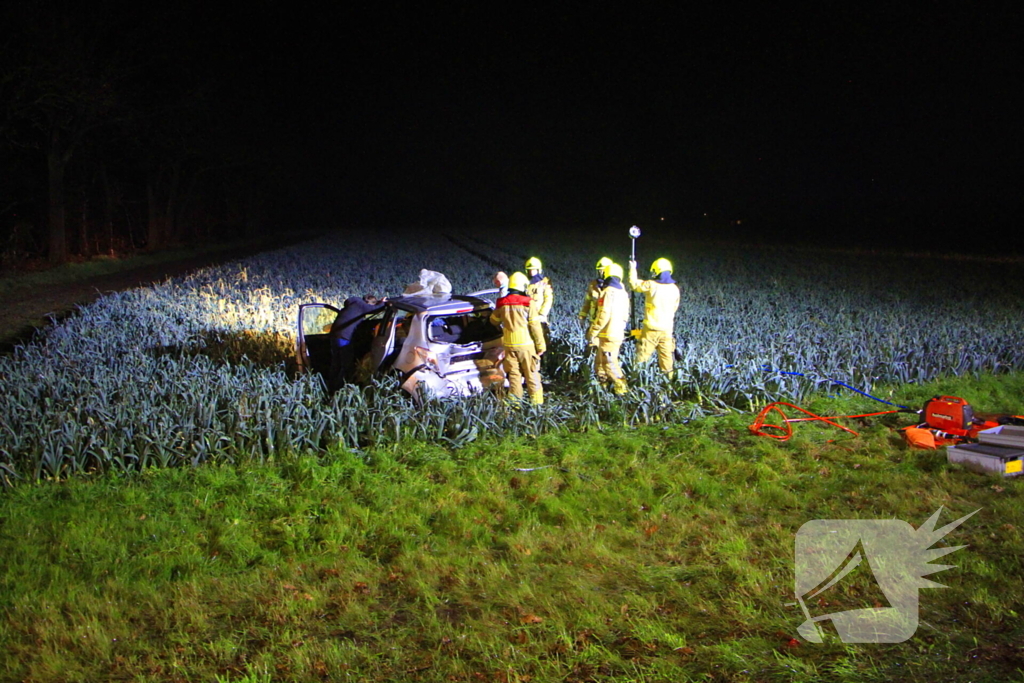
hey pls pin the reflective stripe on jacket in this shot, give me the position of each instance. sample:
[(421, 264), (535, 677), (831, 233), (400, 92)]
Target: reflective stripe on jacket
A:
[(589, 309), (512, 313), (612, 314), (660, 302), (543, 296)]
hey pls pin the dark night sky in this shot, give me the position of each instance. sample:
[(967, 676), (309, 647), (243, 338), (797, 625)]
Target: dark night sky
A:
[(832, 124)]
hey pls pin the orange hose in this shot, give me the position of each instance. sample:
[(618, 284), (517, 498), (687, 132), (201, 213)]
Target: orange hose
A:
[(759, 426)]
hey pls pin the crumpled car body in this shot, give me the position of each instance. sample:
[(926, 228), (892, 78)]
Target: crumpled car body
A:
[(443, 344)]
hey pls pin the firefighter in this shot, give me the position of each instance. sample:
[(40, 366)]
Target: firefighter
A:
[(608, 329), (594, 288), (661, 300), (542, 295), (512, 314)]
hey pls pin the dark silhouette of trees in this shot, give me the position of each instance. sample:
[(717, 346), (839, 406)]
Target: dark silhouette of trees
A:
[(61, 85), (122, 127)]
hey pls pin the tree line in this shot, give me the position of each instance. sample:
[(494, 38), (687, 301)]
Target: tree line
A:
[(125, 128)]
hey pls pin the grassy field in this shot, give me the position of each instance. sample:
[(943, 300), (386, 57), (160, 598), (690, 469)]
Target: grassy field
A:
[(661, 553)]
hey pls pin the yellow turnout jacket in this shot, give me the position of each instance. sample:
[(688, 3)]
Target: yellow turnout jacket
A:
[(661, 301), (512, 313), (543, 295), (589, 309), (612, 314)]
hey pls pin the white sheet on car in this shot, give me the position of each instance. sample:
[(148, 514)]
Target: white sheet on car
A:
[(430, 282)]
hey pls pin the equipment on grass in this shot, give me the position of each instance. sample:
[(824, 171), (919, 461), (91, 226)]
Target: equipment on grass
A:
[(949, 414), (783, 431), (945, 421), (987, 458), (950, 421), (1000, 450)]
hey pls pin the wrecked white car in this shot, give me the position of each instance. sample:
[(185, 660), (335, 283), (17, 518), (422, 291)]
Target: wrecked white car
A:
[(439, 342)]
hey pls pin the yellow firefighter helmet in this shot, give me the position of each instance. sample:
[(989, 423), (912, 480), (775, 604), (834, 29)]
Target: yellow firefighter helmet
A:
[(660, 266), (613, 270), (518, 281)]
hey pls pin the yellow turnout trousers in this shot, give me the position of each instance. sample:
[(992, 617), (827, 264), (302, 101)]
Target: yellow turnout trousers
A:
[(656, 340), (540, 341), (522, 361), (606, 364)]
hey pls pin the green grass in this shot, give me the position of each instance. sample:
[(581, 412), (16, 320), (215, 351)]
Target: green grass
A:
[(655, 554)]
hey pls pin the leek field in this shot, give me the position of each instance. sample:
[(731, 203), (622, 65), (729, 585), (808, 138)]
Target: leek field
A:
[(196, 369), (178, 504)]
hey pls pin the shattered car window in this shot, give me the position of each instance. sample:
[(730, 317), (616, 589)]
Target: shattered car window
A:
[(463, 328)]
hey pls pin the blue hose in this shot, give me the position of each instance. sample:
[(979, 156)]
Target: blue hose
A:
[(842, 384)]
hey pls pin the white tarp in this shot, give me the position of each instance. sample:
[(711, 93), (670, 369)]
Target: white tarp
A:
[(430, 282)]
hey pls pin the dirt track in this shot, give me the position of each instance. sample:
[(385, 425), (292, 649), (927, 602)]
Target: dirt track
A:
[(29, 308)]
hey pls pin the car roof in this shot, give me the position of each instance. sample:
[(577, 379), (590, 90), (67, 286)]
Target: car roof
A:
[(440, 304)]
